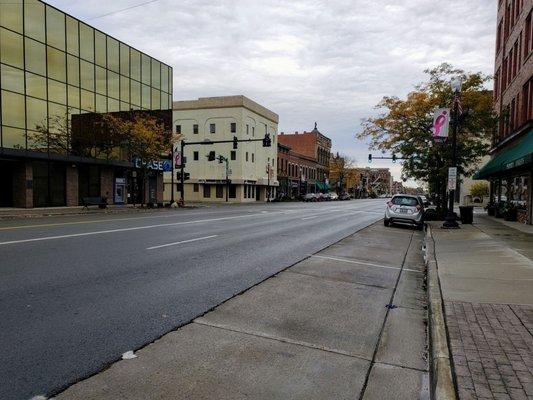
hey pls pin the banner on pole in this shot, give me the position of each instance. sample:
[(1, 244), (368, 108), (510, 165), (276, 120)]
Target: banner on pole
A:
[(441, 123)]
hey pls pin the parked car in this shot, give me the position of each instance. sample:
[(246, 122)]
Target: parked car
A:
[(425, 200), (405, 209), (344, 196), (310, 197), (320, 197), (333, 196)]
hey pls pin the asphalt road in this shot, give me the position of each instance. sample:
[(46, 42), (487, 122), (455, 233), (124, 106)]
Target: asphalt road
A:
[(77, 292)]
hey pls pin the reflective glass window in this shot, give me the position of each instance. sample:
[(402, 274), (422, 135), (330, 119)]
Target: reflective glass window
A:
[(12, 78), (124, 106), (113, 105), (100, 49), (124, 89), (87, 100), (164, 78), (36, 114), (164, 101), (11, 50), (135, 62), (73, 97), (135, 93), (169, 80), (73, 70), (146, 96), (57, 91), (101, 104), (58, 118), (55, 28), (11, 14), (87, 75), (156, 99), (72, 36), (35, 56), (13, 113), (101, 81), (34, 20), (145, 69), (86, 42), (35, 85), (113, 83), (13, 138), (56, 64), (124, 59), (156, 74), (113, 61)]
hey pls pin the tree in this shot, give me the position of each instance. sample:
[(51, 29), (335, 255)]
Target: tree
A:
[(479, 189), (340, 167), (404, 127)]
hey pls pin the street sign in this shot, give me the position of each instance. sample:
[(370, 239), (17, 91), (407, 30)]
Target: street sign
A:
[(452, 178)]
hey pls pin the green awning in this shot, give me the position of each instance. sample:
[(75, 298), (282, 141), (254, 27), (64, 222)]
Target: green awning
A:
[(320, 185), (521, 153)]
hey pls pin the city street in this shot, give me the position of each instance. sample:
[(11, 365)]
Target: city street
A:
[(77, 292)]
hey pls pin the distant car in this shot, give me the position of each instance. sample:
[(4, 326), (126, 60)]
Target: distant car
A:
[(310, 197), (405, 209), (344, 196), (333, 196)]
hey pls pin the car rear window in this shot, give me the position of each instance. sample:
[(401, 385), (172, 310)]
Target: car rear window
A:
[(405, 201)]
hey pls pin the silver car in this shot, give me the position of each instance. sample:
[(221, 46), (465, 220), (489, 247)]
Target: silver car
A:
[(405, 209)]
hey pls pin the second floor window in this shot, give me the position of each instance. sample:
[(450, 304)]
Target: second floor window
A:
[(253, 157), (178, 129), (212, 128), (233, 127), (195, 155), (195, 129), (233, 155)]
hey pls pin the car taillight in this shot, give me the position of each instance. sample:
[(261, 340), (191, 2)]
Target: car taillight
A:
[(390, 204)]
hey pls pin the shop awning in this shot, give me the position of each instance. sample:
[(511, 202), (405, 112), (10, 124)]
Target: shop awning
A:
[(521, 153), (322, 185)]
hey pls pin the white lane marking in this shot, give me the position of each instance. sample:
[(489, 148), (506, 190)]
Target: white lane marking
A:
[(305, 219), (364, 263), (181, 242), (128, 229)]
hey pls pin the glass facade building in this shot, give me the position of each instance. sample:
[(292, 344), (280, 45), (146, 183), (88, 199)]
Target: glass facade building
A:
[(53, 69)]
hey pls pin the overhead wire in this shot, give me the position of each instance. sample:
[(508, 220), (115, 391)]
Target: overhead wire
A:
[(122, 10)]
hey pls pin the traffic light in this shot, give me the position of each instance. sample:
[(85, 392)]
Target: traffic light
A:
[(267, 142), (370, 158), (211, 156), (235, 143)]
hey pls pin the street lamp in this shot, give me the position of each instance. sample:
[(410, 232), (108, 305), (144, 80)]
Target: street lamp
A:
[(450, 221)]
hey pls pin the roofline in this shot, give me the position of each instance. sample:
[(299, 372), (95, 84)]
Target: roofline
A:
[(205, 103)]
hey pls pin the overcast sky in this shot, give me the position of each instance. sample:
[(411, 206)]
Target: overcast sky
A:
[(325, 61)]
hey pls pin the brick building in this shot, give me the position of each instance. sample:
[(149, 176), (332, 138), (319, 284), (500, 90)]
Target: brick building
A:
[(511, 166), (297, 173), (310, 147)]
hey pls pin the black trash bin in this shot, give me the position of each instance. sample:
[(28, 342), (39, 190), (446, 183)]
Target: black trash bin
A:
[(467, 214)]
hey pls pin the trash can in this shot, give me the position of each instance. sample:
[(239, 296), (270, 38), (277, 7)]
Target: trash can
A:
[(467, 214)]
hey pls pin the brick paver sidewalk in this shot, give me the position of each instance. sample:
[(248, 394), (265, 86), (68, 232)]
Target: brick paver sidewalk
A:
[(492, 349)]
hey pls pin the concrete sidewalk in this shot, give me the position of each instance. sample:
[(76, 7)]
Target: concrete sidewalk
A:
[(486, 277), (346, 323)]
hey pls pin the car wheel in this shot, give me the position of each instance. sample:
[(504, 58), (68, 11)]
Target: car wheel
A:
[(386, 222)]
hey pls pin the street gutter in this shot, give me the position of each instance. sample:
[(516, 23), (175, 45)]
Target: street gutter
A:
[(440, 365)]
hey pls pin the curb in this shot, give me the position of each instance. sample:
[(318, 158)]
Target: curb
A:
[(441, 377)]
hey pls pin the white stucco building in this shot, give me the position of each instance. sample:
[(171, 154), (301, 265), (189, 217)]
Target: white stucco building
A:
[(222, 118)]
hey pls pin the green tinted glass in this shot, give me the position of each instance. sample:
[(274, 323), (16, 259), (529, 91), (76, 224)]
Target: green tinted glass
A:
[(56, 64), (73, 97), (73, 70), (87, 100), (101, 104), (34, 20), (35, 85), (57, 91), (124, 89), (12, 78), (113, 105), (37, 114), (11, 50), (164, 101), (135, 93), (87, 75), (156, 99), (58, 118), (13, 138), (11, 14), (86, 42), (135, 62), (124, 106), (146, 96), (13, 113), (156, 74), (164, 78), (72, 36), (100, 53), (113, 83), (55, 28), (124, 59), (35, 56), (146, 69), (101, 81), (113, 61)]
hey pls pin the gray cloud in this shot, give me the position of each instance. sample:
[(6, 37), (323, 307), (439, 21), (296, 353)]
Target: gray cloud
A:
[(325, 61)]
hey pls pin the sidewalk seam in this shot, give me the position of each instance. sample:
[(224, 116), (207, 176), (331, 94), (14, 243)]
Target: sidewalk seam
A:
[(443, 386)]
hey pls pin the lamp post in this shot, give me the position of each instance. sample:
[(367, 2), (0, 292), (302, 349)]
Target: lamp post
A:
[(450, 221)]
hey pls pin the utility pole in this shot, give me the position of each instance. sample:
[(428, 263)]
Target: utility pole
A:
[(268, 182), (182, 171)]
